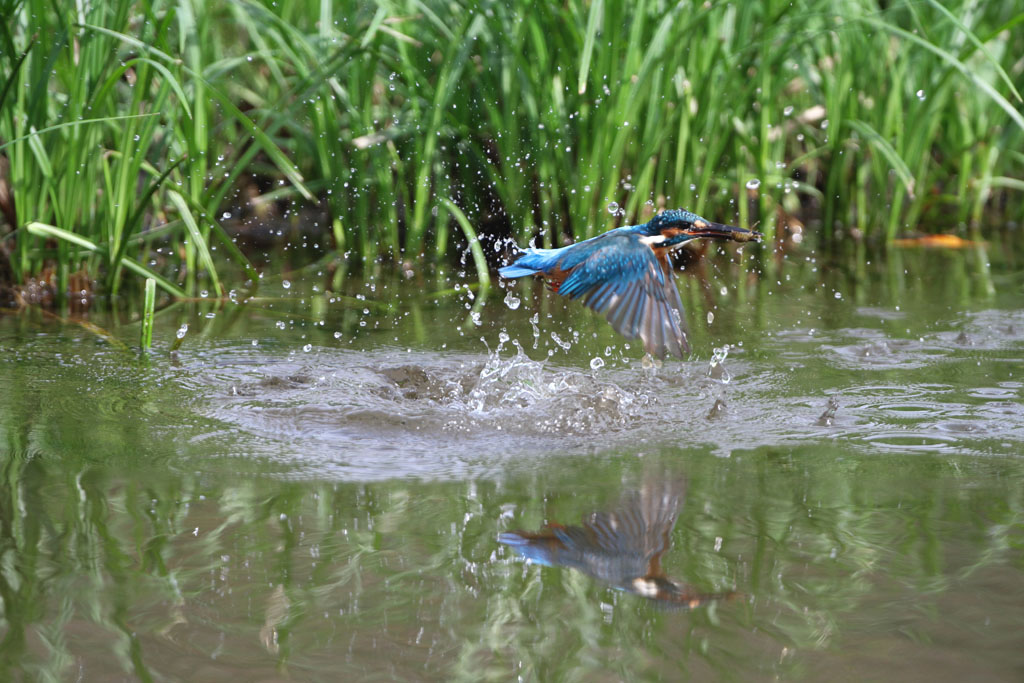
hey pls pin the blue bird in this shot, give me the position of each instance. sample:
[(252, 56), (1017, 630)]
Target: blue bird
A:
[(626, 274)]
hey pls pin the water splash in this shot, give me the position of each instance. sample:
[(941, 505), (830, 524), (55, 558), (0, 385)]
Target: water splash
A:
[(717, 370), (828, 417), (518, 394)]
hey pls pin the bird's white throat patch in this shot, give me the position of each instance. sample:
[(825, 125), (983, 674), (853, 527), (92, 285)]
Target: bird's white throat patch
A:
[(651, 240)]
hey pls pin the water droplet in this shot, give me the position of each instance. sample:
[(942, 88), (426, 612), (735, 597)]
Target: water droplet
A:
[(307, 348), (596, 363), (512, 301), (717, 369), (724, 290), (613, 208), (753, 184), (921, 95), (337, 335), (503, 337), (711, 317), (286, 284), (839, 295), (182, 331), (788, 111), (561, 342)]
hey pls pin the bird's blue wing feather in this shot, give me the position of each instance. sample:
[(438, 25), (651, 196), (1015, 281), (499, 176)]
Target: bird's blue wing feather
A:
[(619, 276)]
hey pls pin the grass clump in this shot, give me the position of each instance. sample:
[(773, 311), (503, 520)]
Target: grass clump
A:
[(140, 124)]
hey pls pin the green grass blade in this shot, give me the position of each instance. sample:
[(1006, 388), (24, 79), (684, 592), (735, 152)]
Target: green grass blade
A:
[(148, 310), (262, 139), (1003, 103), (875, 139), (104, 91), (52, 231), (483, 275), (1010, 183), (198, 241), (133, 223), (593, 22), (225, 240), (12, 76), (72, 124), (981, 46), (39, 152)]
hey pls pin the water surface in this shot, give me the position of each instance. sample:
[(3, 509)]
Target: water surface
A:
[(314, 485)]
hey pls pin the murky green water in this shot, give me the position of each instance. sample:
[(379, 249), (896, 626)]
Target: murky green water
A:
[(314, 489)]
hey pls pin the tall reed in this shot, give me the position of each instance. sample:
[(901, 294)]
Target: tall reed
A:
[(139, 124)]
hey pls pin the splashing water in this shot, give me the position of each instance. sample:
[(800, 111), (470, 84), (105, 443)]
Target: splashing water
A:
[(524, 395), (717, 366)]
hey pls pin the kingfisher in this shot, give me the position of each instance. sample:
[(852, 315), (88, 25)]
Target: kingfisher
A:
[(622, 547), (626, 274)]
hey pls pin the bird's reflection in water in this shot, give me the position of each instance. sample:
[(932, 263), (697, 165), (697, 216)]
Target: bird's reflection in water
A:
[(622, 547)]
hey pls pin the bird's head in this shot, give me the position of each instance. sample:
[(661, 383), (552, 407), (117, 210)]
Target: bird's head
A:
[(675, 226)]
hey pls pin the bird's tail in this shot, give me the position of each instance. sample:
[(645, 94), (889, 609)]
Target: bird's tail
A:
[(515, 270), (530, 262)]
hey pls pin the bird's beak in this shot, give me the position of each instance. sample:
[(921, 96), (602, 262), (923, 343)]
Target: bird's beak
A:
[(720, 231)]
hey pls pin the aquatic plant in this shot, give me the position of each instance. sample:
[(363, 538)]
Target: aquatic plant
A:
[(146, 136)]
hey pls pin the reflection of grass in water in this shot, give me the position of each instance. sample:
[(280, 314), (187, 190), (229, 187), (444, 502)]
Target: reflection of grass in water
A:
[(98, 508), (415, 139)]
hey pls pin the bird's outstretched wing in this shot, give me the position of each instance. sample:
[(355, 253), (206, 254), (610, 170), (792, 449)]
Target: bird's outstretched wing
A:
[(621, 277)]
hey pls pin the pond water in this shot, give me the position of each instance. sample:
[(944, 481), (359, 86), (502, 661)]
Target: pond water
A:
[(347, 486)]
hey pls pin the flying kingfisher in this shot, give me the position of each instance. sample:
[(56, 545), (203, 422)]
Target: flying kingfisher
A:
[(626, 274)]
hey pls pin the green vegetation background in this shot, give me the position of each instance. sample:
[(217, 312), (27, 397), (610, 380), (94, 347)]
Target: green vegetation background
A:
[(136, 137)]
